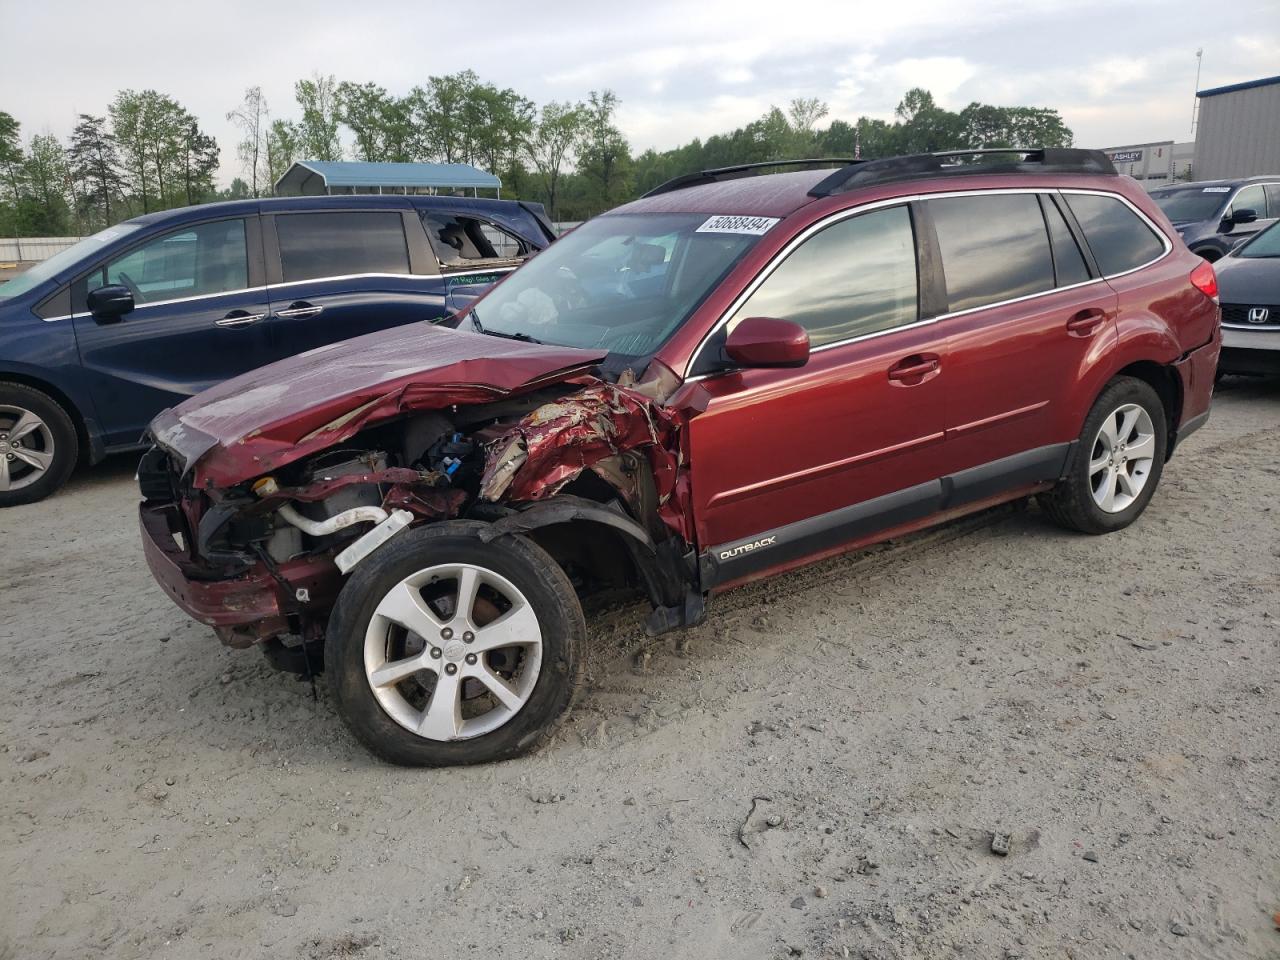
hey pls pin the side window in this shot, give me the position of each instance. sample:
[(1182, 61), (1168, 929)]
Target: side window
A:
[(855, 277), (1273, 200), (1252, 197), (1119, 239), (460, 240), (994, 247), (314, 245), (1068, 262), (195, 261)]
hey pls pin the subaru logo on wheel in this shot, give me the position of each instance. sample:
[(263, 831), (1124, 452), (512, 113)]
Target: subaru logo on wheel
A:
[(1259, 314)]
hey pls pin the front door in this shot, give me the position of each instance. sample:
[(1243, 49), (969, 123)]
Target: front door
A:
[(787, 464), (344, 273), (198, 319)]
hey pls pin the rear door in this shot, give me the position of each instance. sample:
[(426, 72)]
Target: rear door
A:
[(1026, 315), (340, 273), (199, 318)]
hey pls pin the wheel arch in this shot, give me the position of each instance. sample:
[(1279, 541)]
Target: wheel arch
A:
[(605, 530), (87, 438), (1164, 380)]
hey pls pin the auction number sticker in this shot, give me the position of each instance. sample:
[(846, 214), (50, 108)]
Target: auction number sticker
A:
[(753, 226)]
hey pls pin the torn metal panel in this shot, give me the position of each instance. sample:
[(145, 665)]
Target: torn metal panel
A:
[(552, 445)]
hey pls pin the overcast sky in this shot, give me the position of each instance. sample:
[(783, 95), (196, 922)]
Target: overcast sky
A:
[(1120, 72)]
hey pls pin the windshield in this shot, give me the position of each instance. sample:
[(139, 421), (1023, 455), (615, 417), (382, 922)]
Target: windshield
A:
[(1265, 244), (621, 283), (69, 257), (1195, 203)]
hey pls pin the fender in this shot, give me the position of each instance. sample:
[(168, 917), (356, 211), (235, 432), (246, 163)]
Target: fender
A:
[(665, 568)]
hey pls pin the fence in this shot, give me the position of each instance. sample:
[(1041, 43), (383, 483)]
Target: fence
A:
[(33, 248)]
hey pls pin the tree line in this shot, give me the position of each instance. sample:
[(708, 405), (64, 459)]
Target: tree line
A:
[(149, 153)]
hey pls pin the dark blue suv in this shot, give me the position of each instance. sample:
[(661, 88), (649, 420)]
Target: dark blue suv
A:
[(95, 341), (1213, 217)]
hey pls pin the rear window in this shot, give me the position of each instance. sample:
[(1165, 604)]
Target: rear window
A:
[(1120, 241), (994, 247), (314, 245)]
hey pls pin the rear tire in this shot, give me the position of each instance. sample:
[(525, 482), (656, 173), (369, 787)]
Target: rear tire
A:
[(408, 657), (38, 445), (1116, 465)]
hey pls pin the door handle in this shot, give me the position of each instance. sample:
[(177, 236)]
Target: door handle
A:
[(1086, 322), (239, 318), (914, 370), (300, 310)]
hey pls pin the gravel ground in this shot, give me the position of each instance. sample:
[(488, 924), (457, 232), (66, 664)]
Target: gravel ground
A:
[(1109, 703)]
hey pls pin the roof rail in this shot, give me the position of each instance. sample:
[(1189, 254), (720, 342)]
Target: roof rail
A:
[(926, 165), (741, 170)]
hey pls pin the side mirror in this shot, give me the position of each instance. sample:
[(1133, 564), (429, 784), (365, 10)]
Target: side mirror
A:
[(768, 342), (1243, 215), (108, 304)]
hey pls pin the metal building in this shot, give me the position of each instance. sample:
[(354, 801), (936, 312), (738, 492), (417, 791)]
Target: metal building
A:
[(1153, 164), (315, 177), (1238, 133)]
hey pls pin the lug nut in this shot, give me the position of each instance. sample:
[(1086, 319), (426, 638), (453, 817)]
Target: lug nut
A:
[(451, 668), (446, 634), (435, 653), (471, 659), (468, 637)]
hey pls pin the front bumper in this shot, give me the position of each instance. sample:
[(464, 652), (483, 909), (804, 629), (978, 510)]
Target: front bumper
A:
[(1250, 351), (243, 609)]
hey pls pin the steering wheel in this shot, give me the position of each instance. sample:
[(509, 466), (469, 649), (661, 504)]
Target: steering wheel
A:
[(569, 293), (132, 287)]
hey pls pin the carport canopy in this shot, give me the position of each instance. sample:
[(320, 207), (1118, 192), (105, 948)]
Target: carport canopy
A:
[(316, 177)]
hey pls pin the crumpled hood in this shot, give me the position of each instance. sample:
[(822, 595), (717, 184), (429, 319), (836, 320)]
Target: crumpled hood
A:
[(272, 416)]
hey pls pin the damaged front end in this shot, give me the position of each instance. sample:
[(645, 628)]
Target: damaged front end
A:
[(252, 528)]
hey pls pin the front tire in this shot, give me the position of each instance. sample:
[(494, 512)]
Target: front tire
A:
[(443, 649), (1117, 463), (38, 445)]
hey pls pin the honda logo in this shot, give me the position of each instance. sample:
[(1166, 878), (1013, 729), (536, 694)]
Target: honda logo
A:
[(1259, 314)]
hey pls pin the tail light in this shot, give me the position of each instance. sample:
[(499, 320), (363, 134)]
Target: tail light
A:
[(1204, 279)]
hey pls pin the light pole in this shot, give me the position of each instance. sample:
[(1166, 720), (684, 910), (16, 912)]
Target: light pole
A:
[(1195, 97)]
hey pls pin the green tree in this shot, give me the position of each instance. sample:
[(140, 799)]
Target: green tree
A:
[(318, 127), (550, 144), (45, 179), (366, 110), (11, 154), (442, 110), (281, 150), (604, 156), (95, 166)]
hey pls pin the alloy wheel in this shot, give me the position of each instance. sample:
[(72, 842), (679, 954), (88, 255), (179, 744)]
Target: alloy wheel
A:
[(453, 652), (1121, 459), (26, 448)]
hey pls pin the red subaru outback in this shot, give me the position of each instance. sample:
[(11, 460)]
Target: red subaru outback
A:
[(728, 378)]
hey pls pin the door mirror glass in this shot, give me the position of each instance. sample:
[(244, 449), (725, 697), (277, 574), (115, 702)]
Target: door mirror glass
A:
[(110, 303), (767, 342)]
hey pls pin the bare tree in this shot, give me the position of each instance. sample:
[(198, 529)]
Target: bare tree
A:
[(252, 119)]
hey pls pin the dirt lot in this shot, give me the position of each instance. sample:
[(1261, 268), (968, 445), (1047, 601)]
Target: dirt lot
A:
[(1111, 703)]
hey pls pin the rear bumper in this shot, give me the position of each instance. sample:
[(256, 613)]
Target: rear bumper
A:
[(243, 609), (1197, 371)]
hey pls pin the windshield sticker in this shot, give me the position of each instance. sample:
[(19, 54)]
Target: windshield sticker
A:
[(1217, 189), (105, 235), (753, 226)]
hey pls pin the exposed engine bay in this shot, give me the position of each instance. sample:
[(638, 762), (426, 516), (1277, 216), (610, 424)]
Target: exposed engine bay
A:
[(532, 463)]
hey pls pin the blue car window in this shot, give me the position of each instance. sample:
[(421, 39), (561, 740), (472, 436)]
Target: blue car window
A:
[(194, 261)]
